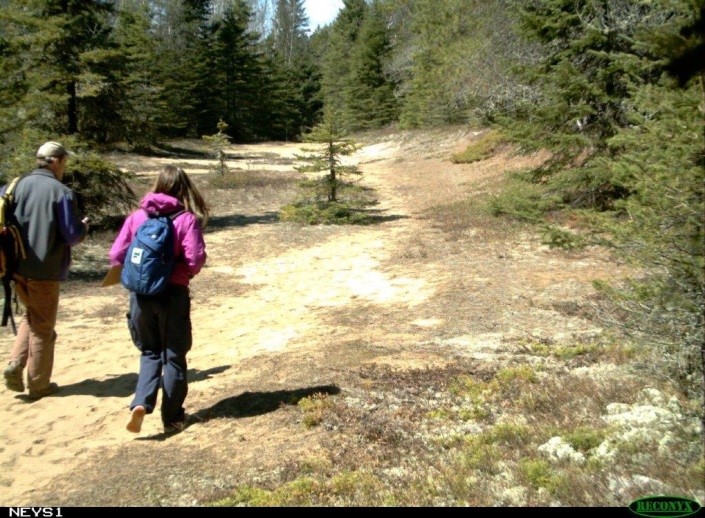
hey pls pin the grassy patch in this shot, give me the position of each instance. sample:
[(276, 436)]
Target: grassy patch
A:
[(510, 434), (481, 149), (539, 474), (524, 200), (325, 213), (344, 488), (239, 179), (584, 438), (314, 408), (474, 215)]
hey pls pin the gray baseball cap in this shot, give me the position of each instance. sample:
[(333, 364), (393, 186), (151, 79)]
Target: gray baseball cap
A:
[(52, 149)]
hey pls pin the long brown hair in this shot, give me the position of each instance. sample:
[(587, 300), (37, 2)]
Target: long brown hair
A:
[(175, 182)]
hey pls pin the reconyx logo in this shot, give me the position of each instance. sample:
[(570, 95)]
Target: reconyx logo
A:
[(664, 506)]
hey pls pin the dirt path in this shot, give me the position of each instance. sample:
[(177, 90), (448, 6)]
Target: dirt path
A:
[(279, 313)]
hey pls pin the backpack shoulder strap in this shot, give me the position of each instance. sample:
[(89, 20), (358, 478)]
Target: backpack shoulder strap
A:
[(172, 215), (11, 187)]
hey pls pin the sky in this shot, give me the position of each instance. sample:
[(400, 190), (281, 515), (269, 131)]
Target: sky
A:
[(321, 12)]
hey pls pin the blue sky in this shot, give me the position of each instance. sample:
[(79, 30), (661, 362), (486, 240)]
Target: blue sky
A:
[(321, 12)]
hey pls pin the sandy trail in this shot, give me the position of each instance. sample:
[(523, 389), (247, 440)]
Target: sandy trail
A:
[(271, 313)]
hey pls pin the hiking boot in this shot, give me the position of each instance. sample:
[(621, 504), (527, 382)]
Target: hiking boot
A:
[(50, 390), (13, 377)]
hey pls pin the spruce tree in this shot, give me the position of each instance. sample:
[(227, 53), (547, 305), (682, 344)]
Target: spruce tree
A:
[(333, 144), (141, 107), (217, 143), (369, 95), (295, 75), (335, 70), (593, 59), (182, 71), (235, 77), (61, 58)]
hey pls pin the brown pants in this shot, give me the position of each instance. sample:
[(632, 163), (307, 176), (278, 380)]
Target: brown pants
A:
[(34, 345)]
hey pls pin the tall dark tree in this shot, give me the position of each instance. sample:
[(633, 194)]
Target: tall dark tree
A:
[(294, 72), (335, 69), (235, 75), (181, 32), (139, 96), (370, 98), (592, 61), (290, 31), (61, 57)]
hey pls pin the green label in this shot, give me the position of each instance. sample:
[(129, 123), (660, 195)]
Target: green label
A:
[(664, 506)]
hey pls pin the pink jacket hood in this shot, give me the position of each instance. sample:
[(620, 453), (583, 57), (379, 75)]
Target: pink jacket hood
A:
[(158, 203), (189, 246)]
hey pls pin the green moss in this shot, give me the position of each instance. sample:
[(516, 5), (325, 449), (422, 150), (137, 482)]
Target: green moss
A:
[(247, 496), (539, 474), (478, 454), (585, 439), (350, 483), (467, 386), (572, 351), (510, 434)]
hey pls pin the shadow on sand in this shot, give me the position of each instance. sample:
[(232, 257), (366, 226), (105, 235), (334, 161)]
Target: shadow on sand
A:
[(249, 404), (122, 385)]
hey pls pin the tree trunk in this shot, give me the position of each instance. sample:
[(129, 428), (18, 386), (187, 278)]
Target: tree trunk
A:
[(331, 165), (72, 108)]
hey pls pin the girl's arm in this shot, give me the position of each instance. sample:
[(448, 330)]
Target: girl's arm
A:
[(121, 244), (193, 246)]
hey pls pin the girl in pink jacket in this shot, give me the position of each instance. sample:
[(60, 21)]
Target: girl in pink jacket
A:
[(160, 326)]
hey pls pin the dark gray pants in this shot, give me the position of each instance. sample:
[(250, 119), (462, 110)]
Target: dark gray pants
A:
[(161, 329)]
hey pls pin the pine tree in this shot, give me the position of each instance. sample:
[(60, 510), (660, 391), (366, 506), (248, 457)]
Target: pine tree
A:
[(218, 142), (593, 59), (294, 73), (141, 106), (236, 69), (369, 96), (61, 59), (289, 32), (335, 69), (333, 145), (180, 28)]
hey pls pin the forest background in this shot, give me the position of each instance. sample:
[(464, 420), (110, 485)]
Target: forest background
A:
[(612, 90)]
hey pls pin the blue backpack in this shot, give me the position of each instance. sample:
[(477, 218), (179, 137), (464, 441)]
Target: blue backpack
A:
[(150, 257)]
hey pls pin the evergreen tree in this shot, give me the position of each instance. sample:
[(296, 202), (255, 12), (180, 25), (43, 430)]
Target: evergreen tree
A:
[(181, 32), (290, 31), (218, 142), (61, 58), (294, 73), (369, 95), (593, 60), (661, 226), (335, 69), (141, 106), (627, 148), (236, 67), (334, 144)]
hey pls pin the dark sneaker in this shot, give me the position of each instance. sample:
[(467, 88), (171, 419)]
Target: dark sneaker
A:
[(13, 377), (51, 389), (177, 427)]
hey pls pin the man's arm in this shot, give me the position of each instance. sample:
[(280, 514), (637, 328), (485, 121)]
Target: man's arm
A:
[(72, 229)]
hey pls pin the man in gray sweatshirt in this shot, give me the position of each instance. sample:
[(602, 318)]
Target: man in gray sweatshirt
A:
[(47, 213)]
